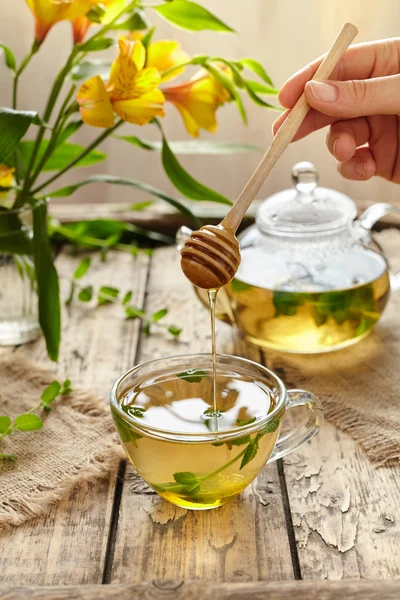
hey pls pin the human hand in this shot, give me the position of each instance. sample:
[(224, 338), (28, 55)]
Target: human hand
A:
[(361, 103)]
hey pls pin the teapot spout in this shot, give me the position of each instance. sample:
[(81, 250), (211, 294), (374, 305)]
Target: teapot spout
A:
[(182, 235)]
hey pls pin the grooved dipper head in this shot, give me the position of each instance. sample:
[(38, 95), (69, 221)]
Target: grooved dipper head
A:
[(210, 257)]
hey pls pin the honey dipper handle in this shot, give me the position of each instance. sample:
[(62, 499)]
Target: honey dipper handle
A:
[(287, 131)]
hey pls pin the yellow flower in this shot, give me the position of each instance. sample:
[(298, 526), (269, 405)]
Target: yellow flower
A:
[(49, 12), (198, 100), (81, 24), (131, 91), (165, 54), (6, 178)]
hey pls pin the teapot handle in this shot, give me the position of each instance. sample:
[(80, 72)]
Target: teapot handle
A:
[(368, 219)]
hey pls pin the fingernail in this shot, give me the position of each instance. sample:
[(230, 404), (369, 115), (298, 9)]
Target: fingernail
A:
[(324, 91), (361, 168)]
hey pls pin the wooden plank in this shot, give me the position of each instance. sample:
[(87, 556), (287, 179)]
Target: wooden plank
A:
[(197, 590), (68, 546), (245, 540), (344, 510)]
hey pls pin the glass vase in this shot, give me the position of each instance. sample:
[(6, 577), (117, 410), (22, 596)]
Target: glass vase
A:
[(18, 294)]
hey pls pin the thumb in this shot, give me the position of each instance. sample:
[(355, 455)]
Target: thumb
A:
[(355, 98)]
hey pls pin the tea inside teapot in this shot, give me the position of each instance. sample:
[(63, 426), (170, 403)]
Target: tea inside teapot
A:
[(311, 279)]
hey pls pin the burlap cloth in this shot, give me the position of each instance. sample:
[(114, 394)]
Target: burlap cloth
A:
[(359, 387), (77, 443)]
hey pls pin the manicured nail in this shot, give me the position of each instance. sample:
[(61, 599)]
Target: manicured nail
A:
[(324, 91), (361, 168)]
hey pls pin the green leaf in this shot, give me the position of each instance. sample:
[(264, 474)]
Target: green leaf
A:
[(239, 286), (106, 294), (96, 13), (69, 130), (146, 328), (50, 393), (28, 422), (192, 146), (96, 44), (185, 183), (240, 441), (10, 457), (136, 22), (257, 68), (134, 411), (174, 331), (8, 57), (146, 39), (66, 388), (112, 179), (191, 16), (269, 427), (139, 142), (13, 126), (86, 294), (127, 298), (134, 313), (14, 237), (91, 67), (138, 206), (259, 100), (47, 282), (61, 156), (82, 268), (250, 453), (5, 423), (193, 375), (262, 88), (157, 316), (186, 478)]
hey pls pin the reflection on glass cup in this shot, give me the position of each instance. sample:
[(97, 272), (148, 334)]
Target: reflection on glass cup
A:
[(191, 455)]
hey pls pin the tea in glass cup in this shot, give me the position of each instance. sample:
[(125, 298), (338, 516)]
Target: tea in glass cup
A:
[(190, 454)]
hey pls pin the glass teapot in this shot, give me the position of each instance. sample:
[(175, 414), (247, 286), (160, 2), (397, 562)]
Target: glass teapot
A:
[(311, 278)]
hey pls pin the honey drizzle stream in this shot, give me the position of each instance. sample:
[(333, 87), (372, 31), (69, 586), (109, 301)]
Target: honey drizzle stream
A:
[(212, 295)]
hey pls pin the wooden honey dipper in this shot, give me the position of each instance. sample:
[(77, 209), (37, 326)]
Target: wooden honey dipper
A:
[(211, 256)]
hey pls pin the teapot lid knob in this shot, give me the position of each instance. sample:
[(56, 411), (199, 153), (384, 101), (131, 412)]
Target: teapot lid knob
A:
[(305, 177)]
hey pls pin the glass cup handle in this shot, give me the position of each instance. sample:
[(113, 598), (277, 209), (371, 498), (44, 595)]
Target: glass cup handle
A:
[(305, 430), (368, 219)]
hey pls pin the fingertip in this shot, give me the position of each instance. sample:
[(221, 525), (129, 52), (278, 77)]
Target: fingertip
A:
[(344, 147), (358, 169)]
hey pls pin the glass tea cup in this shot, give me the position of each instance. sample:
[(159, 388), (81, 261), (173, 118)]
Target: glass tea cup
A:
[(191, 455)]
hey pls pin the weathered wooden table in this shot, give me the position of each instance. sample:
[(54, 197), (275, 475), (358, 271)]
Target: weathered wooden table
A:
[(322, 513)]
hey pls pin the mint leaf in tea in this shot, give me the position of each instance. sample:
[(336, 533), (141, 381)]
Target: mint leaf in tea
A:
[(184, 455)]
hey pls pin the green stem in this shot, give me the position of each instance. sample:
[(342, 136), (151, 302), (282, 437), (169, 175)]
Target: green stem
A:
[(17, 75), (225, 466), (62, 117), (168, 72), (91, 146), (47, 114), (201, 480)]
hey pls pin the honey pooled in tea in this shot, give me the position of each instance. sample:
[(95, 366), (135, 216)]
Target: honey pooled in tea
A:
[(205, 471)]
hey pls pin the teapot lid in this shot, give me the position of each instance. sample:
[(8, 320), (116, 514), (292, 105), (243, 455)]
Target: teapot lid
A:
[(307, 208)]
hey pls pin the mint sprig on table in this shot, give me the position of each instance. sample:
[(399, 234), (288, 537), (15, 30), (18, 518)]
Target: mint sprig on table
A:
[(108, 294), (30, 421), (188, 483)]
